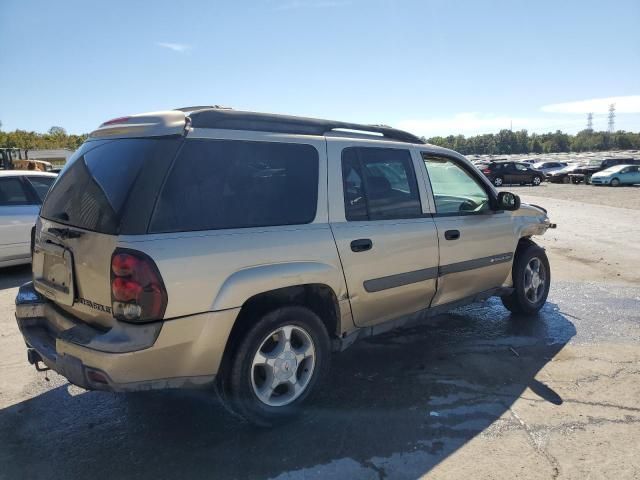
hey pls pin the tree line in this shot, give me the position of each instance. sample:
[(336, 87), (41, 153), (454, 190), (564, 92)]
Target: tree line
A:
[(503, 142), (507, 141), (56, 137)]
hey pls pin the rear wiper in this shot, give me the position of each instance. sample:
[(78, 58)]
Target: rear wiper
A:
[(65, 233)]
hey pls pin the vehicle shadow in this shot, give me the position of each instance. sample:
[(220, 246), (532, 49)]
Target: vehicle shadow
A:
[(427, 389), (11, 277)]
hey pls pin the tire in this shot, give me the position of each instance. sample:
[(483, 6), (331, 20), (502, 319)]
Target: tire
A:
[(566, 180), (261, 343), (537, 181), (615, 182), (498, 181), (528, 295)]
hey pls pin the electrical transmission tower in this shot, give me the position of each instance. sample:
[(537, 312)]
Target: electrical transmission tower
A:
[(590, 122), (612, 117)]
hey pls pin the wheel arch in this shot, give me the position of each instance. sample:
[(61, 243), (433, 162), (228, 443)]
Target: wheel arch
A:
[(319, 298)]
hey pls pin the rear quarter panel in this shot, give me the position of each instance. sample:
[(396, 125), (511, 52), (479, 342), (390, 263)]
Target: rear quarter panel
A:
[(207, 271)]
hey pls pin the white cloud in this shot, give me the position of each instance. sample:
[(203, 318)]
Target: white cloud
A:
[(628, 104), (176, 47), (297, 4)]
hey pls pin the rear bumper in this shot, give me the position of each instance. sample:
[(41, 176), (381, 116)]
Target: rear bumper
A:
[(180, 353)]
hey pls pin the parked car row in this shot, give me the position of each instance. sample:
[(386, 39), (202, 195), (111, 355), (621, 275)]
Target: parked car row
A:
[(611, 171)]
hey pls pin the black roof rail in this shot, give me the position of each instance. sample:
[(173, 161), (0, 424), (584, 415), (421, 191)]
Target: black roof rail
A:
[(228, 119)]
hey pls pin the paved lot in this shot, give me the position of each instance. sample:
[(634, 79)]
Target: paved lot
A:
[(475, 394)]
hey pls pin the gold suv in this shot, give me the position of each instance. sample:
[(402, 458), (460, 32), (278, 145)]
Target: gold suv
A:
[(208, 247)]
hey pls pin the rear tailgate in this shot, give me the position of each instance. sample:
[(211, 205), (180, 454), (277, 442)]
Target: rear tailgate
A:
[(107, 189), (74, 272)]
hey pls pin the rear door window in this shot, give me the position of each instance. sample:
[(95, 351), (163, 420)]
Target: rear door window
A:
[(222, 184), (379, 184), (41, 185), (12, 192)]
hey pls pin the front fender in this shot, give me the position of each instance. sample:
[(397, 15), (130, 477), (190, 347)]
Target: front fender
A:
[(531, 220), (251, 281)]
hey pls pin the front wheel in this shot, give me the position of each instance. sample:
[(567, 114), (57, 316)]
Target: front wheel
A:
[(615, 182), (531, 280), (277, 365), (537, 181)]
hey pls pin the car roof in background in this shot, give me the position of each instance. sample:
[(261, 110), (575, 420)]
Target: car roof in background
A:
[(31, 173), (615, 168)]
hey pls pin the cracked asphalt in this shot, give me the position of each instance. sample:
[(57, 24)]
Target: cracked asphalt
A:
[(475, 393)]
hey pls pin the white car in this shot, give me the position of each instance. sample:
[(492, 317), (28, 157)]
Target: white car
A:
[(21, 195)]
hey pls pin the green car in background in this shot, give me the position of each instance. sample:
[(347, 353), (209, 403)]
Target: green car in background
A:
[(618, 175)]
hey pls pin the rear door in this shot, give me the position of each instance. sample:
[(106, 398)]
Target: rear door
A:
[(509, 172), (476, 242), (18, 213), (386, 238), (630, 175), (523, 173)]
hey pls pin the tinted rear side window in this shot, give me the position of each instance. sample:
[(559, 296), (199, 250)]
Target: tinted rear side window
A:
[(219, 184), (108, 186)]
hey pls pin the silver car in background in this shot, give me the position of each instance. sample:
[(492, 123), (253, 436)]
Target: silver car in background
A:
[(21, 195)]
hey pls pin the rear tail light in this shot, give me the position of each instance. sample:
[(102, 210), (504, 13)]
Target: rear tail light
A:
[(137, 290), (486, 170)]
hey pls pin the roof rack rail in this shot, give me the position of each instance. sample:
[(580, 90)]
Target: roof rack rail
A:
[(228, 119)]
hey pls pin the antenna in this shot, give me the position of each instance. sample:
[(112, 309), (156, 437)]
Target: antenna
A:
[(590, 121), (612, 117)]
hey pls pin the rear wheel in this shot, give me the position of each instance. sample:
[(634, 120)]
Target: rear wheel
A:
[(537, 181), (277, 365), (531, 280), (615, 182), (498, 181), (566, 180)]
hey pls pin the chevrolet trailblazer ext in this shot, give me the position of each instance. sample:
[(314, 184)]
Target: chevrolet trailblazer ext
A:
[(212, 247)]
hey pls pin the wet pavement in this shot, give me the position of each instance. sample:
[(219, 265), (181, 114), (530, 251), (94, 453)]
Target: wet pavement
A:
[(473, 391)]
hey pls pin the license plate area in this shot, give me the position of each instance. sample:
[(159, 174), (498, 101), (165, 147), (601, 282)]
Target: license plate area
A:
[(53, 273)]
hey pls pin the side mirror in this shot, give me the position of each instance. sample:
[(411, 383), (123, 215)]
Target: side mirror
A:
[(508, 201)]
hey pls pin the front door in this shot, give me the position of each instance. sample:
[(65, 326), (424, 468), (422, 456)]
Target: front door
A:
[(476, 242), (18, 212), (386, 239)]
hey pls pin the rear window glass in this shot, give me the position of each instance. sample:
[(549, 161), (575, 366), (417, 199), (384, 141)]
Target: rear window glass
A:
[(219, 184), (92, 190)]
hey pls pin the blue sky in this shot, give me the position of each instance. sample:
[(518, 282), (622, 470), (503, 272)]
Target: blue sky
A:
[(433, 66)]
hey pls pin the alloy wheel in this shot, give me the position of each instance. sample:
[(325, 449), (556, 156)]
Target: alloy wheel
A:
[(535, 279), (283, 365)]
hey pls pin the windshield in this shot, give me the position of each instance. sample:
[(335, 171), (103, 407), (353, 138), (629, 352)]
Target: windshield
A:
[(95, 184)]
